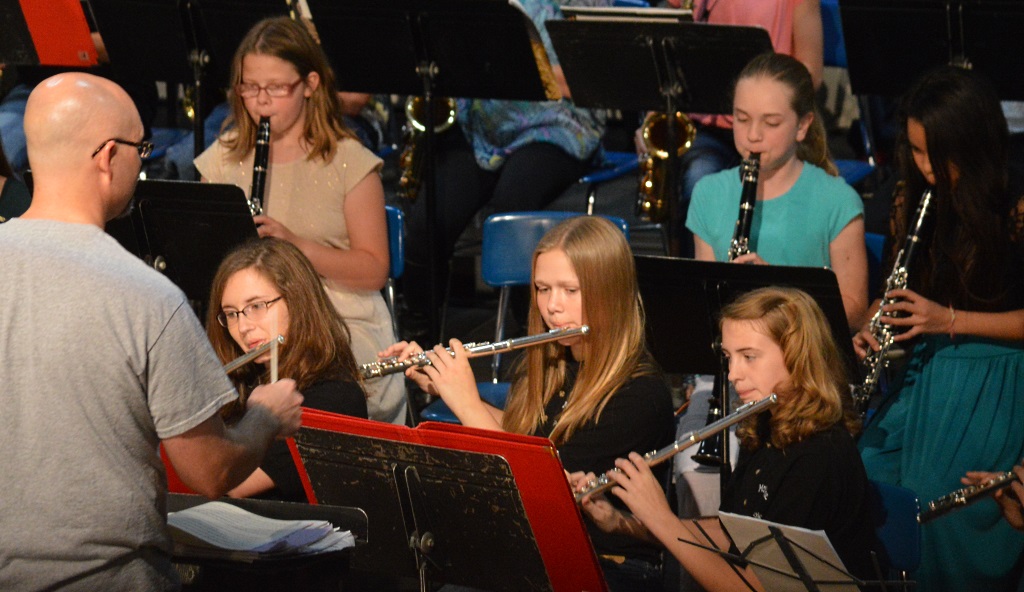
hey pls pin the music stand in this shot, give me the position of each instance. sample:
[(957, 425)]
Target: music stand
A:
[(788, 558), (889, 43), (184, 229), (53, 33), (657, 66), (684, 297), (443, 48), (451, 504)]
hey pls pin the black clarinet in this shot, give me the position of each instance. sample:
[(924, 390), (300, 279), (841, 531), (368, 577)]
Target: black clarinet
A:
[(884, 333), (259, 167), (749, 169)]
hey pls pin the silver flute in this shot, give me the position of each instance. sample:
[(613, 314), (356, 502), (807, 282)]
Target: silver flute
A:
[(252, 355), (393, 365), (964, 497), (656, 457)]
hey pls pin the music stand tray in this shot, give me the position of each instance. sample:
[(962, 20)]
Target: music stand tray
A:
[(486, 509), (184, 229)]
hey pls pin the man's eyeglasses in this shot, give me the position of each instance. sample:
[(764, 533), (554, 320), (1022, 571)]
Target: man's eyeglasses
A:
[(254, 312), (251, 91), (144, 148)]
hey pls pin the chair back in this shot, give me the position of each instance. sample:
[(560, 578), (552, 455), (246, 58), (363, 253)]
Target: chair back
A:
[(875, 244), (895, 515), (509, 240), (832, 31), (396, 241), (396, 259)]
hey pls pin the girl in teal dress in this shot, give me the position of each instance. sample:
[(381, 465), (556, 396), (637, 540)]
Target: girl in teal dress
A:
[(958, 404)]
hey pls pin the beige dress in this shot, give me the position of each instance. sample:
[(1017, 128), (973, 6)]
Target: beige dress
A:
[(309, 198)]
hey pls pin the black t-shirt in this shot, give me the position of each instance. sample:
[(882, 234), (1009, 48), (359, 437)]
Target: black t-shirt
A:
[(638, 418), (818, 483), (335, 396)]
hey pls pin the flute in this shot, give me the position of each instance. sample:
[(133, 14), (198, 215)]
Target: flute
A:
[(656, 457), (252, 355), (392, 365), (964, 497)]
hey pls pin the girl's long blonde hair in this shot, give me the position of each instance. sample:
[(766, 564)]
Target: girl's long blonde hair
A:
[(614, 349), (817, 394)]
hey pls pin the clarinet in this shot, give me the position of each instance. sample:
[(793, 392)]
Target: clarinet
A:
[(657, 457), (259, 167), (964, 497), (392, 365), (884, 333), (749, 169)]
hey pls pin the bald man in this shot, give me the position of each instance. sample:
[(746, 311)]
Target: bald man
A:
[(102, 360)]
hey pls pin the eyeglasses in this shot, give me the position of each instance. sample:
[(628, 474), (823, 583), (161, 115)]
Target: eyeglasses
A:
[(144, 148), (251, 91), (254, 312)]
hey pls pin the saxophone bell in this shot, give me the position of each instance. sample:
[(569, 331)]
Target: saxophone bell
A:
[(410, 161), (652, 198)]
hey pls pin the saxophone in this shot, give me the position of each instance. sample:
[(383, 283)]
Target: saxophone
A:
[(652, 198), (410, 161), (884, 333), (749, 170), (260, 162)]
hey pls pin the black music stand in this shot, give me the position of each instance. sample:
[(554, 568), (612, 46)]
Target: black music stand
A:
[(683, 299), (179, 41), (657, 66), (184, 229), (889, 43), (442, 48)]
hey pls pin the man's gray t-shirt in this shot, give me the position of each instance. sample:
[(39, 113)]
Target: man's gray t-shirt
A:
[(100, 358)]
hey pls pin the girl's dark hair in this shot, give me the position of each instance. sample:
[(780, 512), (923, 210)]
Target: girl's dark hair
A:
[(967, 139), (793, 74)]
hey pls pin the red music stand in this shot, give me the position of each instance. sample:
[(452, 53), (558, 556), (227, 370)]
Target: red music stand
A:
[(451, 504)]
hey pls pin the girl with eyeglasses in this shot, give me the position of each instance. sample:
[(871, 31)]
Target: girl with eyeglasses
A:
[(323, 191), (263, 289)]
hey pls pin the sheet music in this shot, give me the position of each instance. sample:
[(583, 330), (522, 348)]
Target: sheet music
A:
[(220, 527), (602, 13), (816, 559)]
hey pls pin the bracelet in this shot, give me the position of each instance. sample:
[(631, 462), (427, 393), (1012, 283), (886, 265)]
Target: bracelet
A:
[(952, 320)]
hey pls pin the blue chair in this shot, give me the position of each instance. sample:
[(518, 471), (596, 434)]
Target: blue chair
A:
[(875, 244), (852, 171), (506, 259), (612, 166), (895, 511), (396, 251)]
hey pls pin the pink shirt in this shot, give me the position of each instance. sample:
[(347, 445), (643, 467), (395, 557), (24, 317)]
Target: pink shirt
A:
[(776, 17)]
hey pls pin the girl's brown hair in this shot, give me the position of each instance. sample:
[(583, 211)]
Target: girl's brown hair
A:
[(318, 345), (794, 75), (614, 348), (816, 395), (291, 41)]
